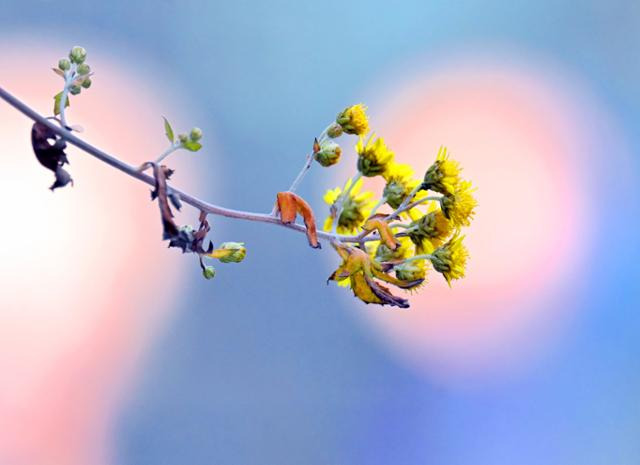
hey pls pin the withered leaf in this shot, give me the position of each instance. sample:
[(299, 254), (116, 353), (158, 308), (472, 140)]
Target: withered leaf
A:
[(385, 296), (385, 232), (170, 229), (185, 237), (289, 206), (50, 154), (361, 270)]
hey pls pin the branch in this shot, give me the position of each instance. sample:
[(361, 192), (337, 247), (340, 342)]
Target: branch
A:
[(195, 202)]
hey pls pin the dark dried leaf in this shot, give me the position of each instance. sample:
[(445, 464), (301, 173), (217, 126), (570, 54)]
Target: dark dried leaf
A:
[(170, 230), (49, 150)]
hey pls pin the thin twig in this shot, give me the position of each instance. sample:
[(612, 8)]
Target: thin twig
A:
[(195, 202)]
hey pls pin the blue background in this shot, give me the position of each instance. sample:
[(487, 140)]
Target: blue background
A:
[(252, 375)]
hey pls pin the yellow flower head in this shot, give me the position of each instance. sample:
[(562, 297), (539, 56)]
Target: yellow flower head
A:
[(356, 208), (433, 227), (451, 259), (353, 120), (459, 206), (443, 176), (399, 183), (374, 157)]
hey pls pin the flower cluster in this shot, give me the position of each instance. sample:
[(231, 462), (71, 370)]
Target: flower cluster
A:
[(420, 229)]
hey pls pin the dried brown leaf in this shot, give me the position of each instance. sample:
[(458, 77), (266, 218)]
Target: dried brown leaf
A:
[(290, 205)]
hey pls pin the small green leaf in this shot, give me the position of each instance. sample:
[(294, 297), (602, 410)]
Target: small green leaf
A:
[(192, 146), (56, 103), (168, 130)]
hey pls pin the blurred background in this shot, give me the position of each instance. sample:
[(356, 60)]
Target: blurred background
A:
[(114, 350)]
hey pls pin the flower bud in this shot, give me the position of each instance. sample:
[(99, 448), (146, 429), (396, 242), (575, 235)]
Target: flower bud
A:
[(196, 134), (329, 154), (83, 69), (411, 271), (335, 130), (385, 254), (208, 272), (75, 90), (86, 83), (432, 226), (64, 64), (230, 252), (395, 192), (183, 138), (77, 55)]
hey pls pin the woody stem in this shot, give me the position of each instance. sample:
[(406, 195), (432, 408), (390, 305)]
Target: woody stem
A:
[(132, 171)]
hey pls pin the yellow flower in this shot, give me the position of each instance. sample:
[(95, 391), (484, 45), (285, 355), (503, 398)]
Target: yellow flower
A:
[(355, 208), (433, 227), (399, 183), (443, 176), (451, 259), (373, 157), (459, 206), (353, 120)]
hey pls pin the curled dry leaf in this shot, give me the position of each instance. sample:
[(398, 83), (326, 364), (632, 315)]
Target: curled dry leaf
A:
[(362, 273), (289, 206), (185, 238), (49, 150), (385, 232)]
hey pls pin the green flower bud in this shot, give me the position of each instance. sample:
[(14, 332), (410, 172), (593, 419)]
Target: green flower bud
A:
[(196, 134), (183, 138), (411, 271), (75, 90), (208, 272), (395, 193), (335, 130), (77, 55), (329, 154), (64, 64), (83, 69), (432, 226), (385, 254), (230, 252), (86, 83)]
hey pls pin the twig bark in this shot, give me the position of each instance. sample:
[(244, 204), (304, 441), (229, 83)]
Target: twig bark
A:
[(132, 171)]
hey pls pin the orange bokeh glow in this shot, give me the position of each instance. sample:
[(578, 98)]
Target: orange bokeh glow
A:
[(515, 133), (85, 279)]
